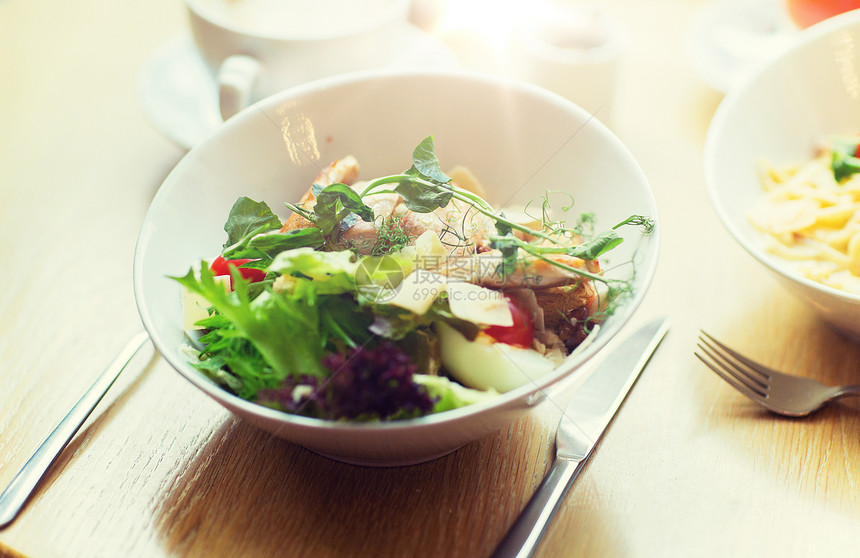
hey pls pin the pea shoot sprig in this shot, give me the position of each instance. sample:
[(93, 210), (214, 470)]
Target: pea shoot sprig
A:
[(425, 188)]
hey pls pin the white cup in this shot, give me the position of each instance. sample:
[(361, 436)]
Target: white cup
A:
[(574, 51), (258, 47)]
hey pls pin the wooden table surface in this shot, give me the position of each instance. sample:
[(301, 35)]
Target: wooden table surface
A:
[(688, 468)]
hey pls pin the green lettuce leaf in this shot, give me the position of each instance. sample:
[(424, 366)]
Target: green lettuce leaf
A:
[(335, 203), (248, 218), (283, 327), (449, 394), (331, 272)]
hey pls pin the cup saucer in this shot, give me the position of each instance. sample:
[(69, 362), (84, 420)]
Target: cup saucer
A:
[(177, 93), (179, 96)]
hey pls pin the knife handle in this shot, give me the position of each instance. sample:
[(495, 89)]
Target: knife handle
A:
[(525, 534)]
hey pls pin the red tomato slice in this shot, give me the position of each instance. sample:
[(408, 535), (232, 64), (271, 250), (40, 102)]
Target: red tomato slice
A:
[(521, 333), (222, 267)]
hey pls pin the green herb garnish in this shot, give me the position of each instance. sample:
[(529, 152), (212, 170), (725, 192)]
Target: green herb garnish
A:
[(249, 234), (425, 188), (843, 159)]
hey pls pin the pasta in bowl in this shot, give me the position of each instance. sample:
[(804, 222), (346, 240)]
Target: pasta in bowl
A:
[(769, 156), (809, 216)]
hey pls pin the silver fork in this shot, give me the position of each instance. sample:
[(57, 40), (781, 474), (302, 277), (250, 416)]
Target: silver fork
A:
[(780, 393)]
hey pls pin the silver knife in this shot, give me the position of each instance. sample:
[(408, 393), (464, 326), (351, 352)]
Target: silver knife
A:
[(583, 422)]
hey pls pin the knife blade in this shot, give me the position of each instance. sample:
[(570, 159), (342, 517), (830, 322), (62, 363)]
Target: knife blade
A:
[(584, 421)]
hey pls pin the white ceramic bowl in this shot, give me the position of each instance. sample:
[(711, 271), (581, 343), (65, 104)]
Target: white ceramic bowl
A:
[(518, 139), (780, 113)]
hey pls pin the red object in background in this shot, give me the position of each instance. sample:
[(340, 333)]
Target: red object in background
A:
[(222, 267), (808, 12), (521, 332)]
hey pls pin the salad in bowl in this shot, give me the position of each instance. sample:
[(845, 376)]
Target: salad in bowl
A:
[(395, 297), (324, 270)]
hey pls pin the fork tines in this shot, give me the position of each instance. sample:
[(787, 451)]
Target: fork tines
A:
[(740, 372)]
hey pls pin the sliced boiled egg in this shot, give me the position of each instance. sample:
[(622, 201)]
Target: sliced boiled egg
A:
[(478, 304), (486, 364), (418, 290)]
